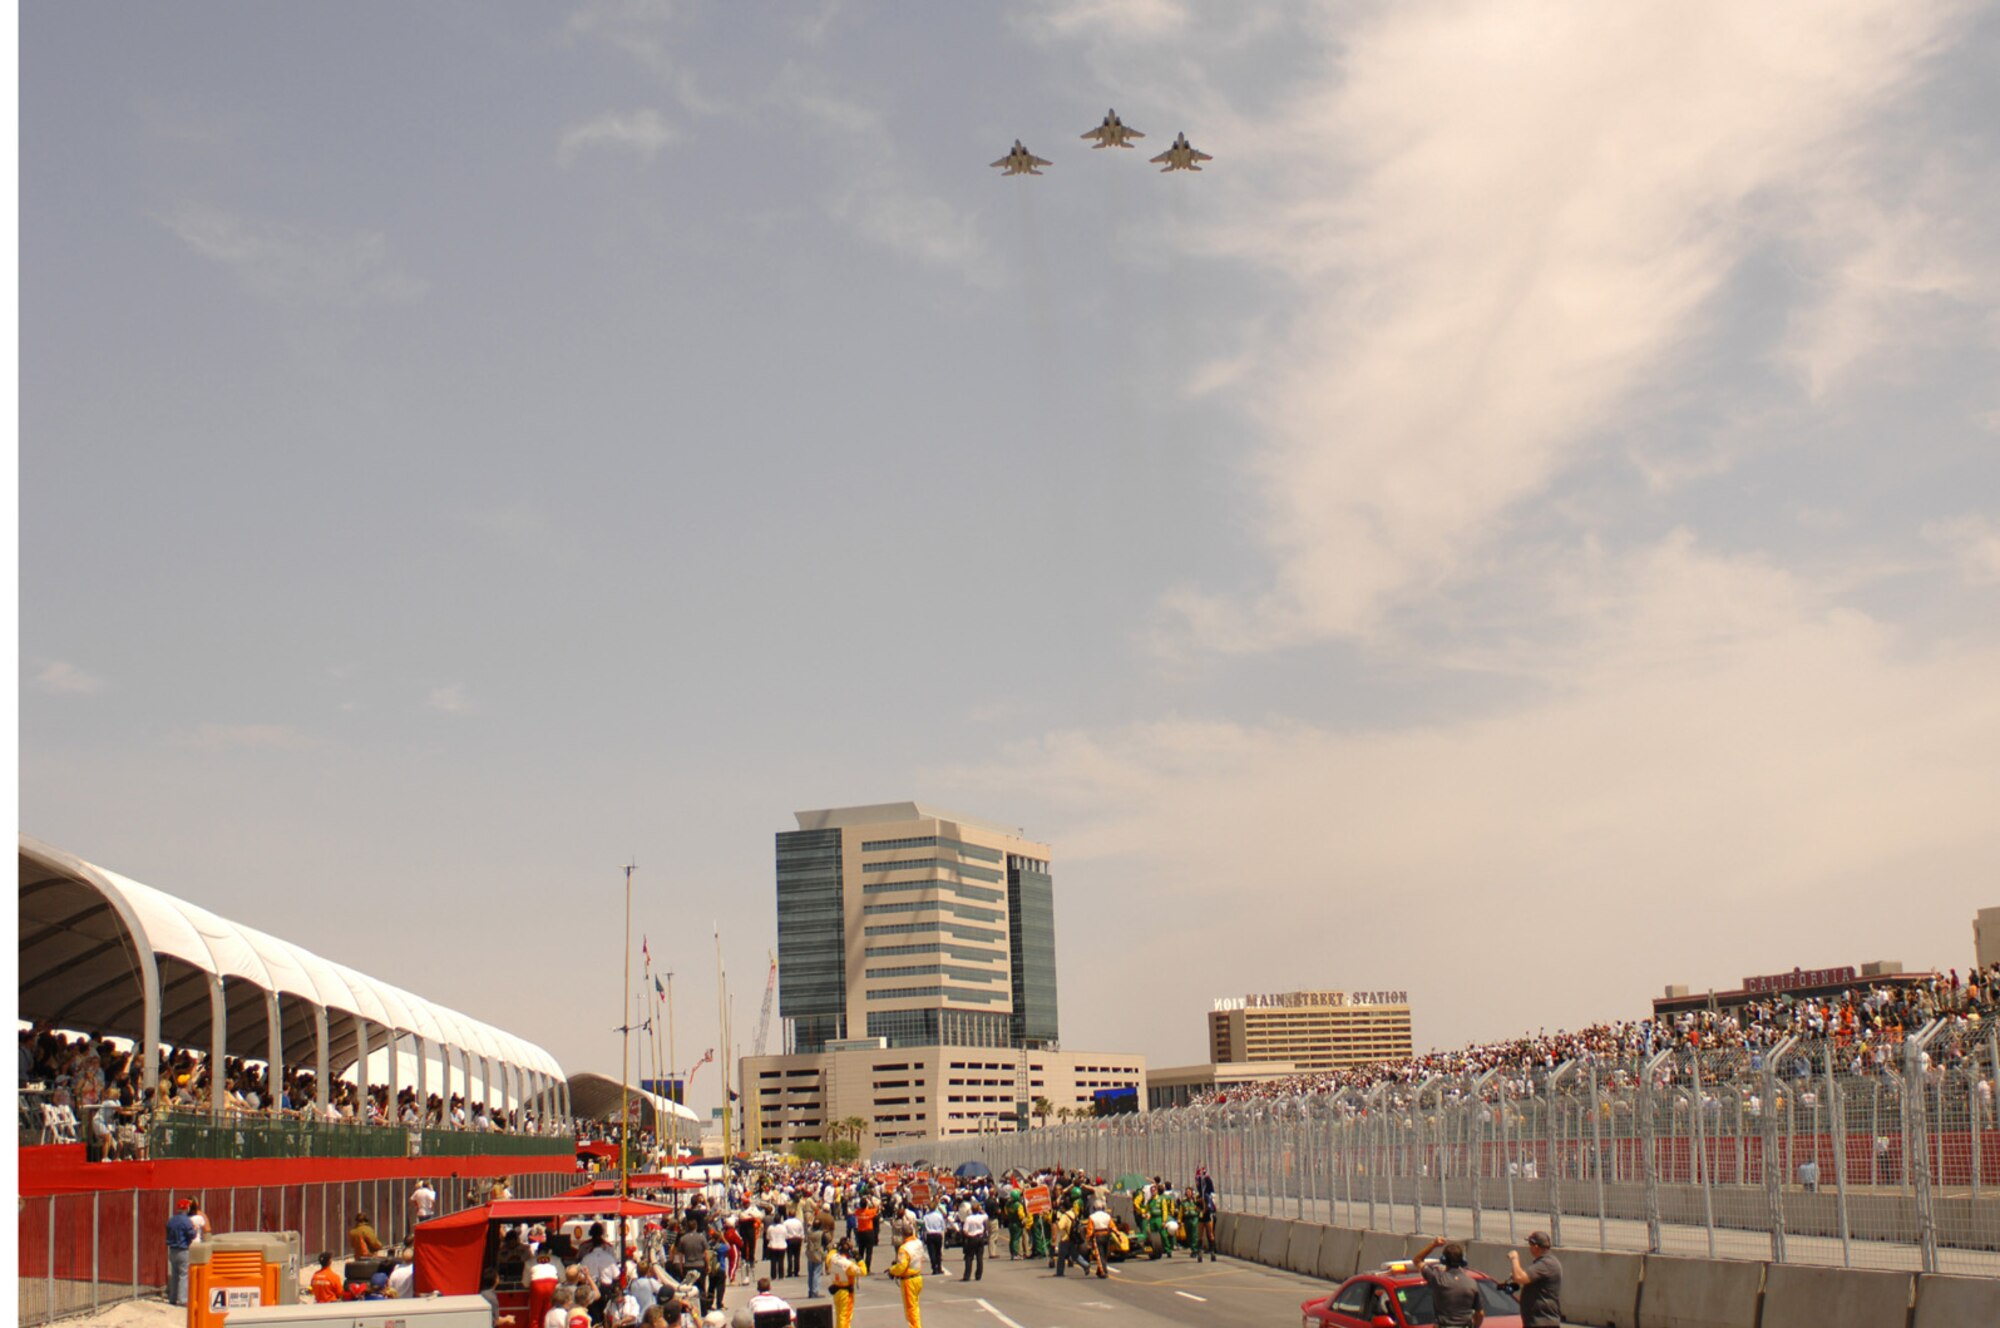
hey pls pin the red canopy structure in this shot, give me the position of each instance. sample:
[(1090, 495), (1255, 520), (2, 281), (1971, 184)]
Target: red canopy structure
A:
[(452, 1251), (599, 1148), (646, 1181)]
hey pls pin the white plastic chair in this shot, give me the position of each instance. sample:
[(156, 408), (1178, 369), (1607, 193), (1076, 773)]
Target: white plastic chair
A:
[(58, 1124)]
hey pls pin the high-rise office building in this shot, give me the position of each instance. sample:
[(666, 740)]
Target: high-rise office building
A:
[(903, 926), (917, 981)]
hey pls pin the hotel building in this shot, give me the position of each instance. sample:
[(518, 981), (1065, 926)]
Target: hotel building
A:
[(1314, 1030)]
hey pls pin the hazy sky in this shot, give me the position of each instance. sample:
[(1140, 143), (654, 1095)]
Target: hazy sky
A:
[(1523, 525)]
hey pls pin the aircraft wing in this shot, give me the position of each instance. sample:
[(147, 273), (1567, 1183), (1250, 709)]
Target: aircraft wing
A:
[(1166, 156), (1005, 160), (1199, 155), (1033, 160)]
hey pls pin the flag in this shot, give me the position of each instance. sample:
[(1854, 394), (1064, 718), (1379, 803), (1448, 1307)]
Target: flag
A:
[(658, 988), (644, 954)]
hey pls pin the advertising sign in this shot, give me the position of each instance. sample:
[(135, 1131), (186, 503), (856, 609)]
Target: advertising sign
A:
[(1036, 1198)]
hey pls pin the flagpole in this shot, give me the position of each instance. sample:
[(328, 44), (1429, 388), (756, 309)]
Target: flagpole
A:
[(625, 1061), (722, 1024), (673, 1065)]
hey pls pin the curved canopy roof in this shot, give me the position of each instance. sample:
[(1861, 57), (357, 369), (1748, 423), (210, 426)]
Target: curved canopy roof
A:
[(86, 931), (595, 1097)]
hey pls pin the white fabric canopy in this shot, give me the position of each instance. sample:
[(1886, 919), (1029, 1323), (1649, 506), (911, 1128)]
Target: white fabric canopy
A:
[(92, 942)]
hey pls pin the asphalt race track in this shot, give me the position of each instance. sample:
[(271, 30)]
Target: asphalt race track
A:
[(1025, 1294)]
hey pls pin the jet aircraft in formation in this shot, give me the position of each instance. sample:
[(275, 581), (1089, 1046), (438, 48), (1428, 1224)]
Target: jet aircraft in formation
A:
[(1021, 161), (1182, 156), (1113, 133)]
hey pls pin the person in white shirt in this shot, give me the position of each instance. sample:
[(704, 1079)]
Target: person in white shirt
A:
[(623, 1311), (403, 1277), (972, 1229), (795, 1242), (423, 1201), (557, 1315), (934, 1238), (764, 1302), (777, 1244)]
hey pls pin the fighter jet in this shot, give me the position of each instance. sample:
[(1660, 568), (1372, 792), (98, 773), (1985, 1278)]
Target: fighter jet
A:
[(1182, 156), (1020, 161), (1113, 133)]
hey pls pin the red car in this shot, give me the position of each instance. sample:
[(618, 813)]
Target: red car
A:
[(1396, 1296)]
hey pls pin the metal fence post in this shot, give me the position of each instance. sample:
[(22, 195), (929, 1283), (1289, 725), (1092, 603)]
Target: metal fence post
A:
[(1554, 1085), (49, 1288), (1701, 1151), (135, 1243), (1513, 1161), (1917, 1159), (1774, 1199), (1482, 1114), (1597, 1153), (1836, 1114), (96, 1245), (1649, 1149)]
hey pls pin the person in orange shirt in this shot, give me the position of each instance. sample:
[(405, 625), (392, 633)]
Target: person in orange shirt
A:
[(325, 1283)]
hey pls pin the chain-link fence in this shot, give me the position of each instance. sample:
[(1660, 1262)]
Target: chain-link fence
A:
[(80, 1252), (1838, 1153)]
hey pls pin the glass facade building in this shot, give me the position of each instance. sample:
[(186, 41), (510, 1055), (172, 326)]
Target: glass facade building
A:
[(1031, 951), (812, 938), (952, 924)]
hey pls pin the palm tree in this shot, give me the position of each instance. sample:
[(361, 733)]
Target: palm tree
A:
[(1044, 1108)]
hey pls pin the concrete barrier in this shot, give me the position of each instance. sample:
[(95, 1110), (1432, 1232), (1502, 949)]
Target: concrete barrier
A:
[(1953, 1302), (1799, 1296), (1699, 1293), (1302, 1254), (1489, 1257), (1339, 1253), (1225, 1231), (1598, 1289), (1379, 1247), (1277, 1238), (1249, 1237)]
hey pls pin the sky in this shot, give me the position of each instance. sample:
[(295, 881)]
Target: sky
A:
[(1522, 525)]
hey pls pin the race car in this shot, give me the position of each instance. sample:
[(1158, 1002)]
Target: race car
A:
[(1396, 1296)]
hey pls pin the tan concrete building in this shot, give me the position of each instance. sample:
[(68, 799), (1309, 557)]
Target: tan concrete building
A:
[(915, 1093), (1177, 1085), (1314, 1030), (1986, 936), (917, 926)]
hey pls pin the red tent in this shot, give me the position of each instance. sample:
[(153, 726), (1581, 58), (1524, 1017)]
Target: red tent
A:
[(646, 1181), (599, 1148), (452, 1251)]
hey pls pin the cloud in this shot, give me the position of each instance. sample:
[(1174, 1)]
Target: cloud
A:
[(917, 225), (1132, 20), (1728, 772), (1974, 543), (451, 698), (644, 132), (293, 264), (66, 679), (244, 737), (647, 31), (1502, 251), (878, 201)]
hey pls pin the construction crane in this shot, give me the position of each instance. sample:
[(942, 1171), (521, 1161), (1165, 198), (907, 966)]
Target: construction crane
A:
[(755, 1099), (764, 1015)]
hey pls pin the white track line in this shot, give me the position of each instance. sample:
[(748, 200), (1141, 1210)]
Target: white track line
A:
[(1191, 1296), (987, 1305)]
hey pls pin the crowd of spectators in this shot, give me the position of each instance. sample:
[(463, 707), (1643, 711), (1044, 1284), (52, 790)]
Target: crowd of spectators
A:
[(1864, 1026), (103, 1084)]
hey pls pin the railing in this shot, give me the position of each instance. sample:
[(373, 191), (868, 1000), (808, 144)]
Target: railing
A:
[(1836, 1153), (81, 1252)]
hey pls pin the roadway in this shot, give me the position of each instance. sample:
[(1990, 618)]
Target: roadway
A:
[(1025, 1294)]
